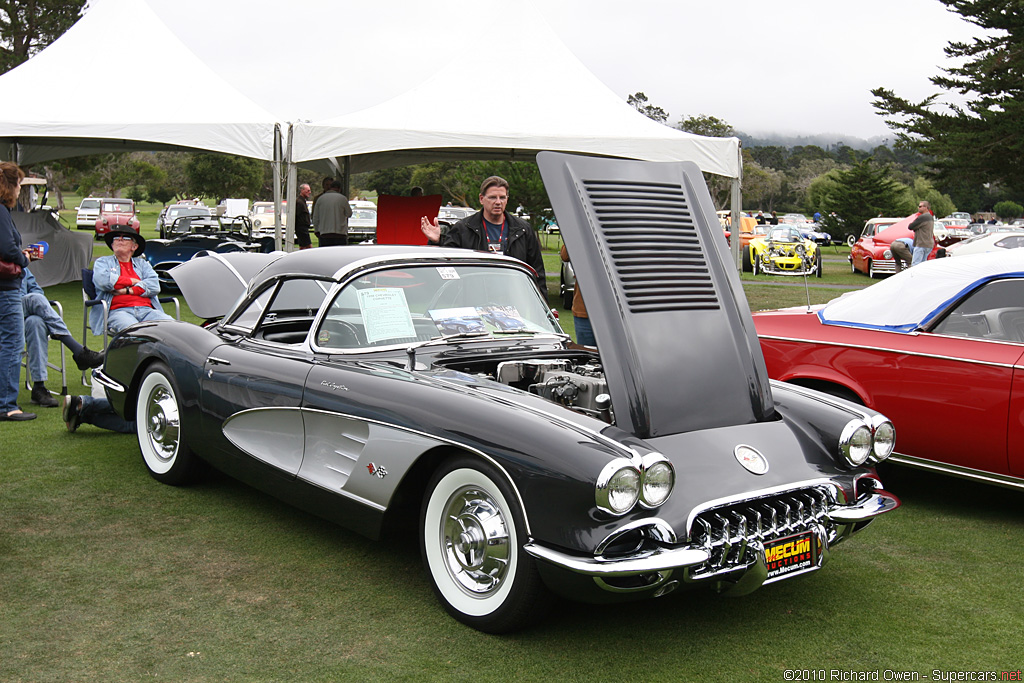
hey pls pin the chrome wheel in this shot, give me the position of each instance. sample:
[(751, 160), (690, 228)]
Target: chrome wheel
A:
[(475, 541), (472, 532), (158, 428), (162, 428)]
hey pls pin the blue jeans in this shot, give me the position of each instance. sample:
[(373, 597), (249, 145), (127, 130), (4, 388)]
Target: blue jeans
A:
[(121, 318), (584, 331), (98, 412), (41, 321), (12, 342), (920, 255)]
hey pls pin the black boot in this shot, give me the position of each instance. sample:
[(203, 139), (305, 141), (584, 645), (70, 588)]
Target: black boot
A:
[(42, 397), (88, 359)]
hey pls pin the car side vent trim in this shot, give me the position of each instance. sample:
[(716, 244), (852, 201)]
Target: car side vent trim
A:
[(640, 221)]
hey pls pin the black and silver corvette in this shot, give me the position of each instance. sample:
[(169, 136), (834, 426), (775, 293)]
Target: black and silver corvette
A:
[(378, 385)]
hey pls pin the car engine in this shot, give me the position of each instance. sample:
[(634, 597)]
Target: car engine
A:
[(577, 385)]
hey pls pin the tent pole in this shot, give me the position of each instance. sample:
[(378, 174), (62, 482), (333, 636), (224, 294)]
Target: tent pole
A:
[(346, 176), (276, 165), (736, 211), (289, 229)]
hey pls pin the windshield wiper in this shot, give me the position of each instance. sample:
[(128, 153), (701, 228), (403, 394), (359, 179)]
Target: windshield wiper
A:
[(410, 350)]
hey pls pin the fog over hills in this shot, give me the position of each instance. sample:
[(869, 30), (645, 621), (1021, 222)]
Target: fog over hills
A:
[(823, 140)]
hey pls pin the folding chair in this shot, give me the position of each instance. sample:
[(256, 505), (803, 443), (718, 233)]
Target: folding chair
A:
[(63, 361), (91, 300)]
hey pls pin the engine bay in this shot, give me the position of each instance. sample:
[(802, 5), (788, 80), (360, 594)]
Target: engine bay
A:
[(576, 382)]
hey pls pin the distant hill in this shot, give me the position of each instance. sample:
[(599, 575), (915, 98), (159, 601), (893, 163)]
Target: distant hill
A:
[(823, 140)]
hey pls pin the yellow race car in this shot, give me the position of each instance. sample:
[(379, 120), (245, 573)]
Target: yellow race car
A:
[(783, 251)]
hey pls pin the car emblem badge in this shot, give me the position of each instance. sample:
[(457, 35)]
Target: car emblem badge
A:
[(751, 460)]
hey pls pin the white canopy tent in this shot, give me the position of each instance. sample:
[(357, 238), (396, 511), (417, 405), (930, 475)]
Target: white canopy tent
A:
[(529, 94), (128, 69)]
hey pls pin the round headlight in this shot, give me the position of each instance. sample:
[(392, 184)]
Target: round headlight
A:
[(618, 487), (658, 480), (855, 443), (885, 440), (256, 223)]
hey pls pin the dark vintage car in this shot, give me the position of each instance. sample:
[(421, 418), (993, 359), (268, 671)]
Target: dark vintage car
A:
[(191, 234), (526, 466), (171, 213), (938, 348)]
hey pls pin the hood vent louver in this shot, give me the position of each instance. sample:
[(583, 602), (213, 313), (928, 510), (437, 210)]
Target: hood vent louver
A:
[(641, 220), (673, 328)]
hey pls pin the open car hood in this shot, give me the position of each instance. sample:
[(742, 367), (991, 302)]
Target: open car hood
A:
[(211, 283), (673, 326), (896, 231)]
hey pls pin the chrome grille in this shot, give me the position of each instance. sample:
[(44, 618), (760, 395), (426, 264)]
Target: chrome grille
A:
[(735, 534)]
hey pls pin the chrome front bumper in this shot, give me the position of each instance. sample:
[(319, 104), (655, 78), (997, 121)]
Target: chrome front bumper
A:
[(657, 560)]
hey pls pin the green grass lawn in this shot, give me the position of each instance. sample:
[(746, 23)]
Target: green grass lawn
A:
[(106, 575)]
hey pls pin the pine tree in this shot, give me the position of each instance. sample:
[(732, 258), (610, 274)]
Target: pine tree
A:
[(981, 141)]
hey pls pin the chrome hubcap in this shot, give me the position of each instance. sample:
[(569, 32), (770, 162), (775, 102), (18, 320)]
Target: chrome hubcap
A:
[(162, 423), (475, 540)]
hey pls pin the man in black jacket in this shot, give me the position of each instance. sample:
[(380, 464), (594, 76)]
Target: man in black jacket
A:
[(493, 229)]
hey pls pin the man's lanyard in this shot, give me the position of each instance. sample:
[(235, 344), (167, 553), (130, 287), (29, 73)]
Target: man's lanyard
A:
[(494, 246)]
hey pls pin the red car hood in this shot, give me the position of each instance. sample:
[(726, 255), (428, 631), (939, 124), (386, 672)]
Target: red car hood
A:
[(118, 218), (896, 231)]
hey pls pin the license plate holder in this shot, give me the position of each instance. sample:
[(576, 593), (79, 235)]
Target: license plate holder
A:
[(791, 554)]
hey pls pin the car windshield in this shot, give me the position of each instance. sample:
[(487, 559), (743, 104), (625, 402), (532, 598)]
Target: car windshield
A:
[(173, 213), (117, 207), (783, 234), (399, 306)]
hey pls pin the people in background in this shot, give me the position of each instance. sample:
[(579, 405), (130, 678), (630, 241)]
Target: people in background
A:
[(41, 323), (492, 229), (330, 216), (127, 282), (923, 228), (302, 220), (580, 319), (902, 252), (12, 317)]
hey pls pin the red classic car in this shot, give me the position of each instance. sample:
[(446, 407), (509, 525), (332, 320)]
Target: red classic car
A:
[(872, 253), (939, 348), (116, 214)]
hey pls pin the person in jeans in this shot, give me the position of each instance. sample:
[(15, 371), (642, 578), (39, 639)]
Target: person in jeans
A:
[(580, 319), (923, 228), (95, 411), (12, 316), (127, 283), (41, 323)]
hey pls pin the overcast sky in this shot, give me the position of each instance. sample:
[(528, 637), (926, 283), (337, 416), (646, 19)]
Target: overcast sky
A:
[(794, 66)]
